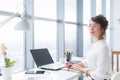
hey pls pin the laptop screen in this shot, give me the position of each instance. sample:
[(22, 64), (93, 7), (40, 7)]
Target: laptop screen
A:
[(41, 56)]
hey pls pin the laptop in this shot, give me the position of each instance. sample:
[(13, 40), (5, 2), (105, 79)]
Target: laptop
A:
[(44, 60)]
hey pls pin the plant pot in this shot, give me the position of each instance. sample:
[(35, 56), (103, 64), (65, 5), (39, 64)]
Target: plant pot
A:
[(7, 73)]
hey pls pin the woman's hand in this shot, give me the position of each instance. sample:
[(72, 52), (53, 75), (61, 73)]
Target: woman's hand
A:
[(76, 67), (69, 65), (79, 68)]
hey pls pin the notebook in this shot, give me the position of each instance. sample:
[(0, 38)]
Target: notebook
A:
[(44, 60)]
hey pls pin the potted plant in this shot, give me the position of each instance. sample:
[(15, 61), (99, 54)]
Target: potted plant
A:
[(7, 68)]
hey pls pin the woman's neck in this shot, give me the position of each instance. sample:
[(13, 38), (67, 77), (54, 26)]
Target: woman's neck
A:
[(97, 39)]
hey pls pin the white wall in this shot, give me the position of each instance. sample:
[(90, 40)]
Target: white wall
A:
[(116, 24)]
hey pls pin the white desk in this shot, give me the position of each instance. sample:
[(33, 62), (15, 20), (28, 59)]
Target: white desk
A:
[(48, 75)]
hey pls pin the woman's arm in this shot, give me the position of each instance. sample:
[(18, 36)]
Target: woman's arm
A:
[(81, 64), (70, 65)]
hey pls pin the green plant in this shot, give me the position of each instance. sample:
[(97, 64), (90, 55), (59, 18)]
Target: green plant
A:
[(8, 61)]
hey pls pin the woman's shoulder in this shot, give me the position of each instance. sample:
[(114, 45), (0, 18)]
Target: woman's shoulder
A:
[(102, 43), (103, 48)]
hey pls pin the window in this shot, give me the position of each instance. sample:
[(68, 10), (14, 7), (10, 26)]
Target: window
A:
[(13, 39), (45, 36), (11, 5), (70, 28), (71, 37), (70, 10), (45, 29), (98, 7), (45, 8), (86, 18), (108, 17)]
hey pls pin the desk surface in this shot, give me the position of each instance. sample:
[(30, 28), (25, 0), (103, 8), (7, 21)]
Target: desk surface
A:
[(48, 75)]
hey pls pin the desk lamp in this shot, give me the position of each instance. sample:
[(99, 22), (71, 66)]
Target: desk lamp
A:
[(22, 24)]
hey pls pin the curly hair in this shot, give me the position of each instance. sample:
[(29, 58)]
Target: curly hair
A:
[(100, 19)]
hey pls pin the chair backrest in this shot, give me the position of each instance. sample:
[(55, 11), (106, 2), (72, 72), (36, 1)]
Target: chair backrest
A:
[(115, 53), (116, 76)]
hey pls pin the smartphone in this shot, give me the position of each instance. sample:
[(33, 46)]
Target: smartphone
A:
[(34, 72), (29, 72), (40, 72)]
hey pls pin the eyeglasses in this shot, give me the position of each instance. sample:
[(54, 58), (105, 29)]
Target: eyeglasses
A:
[(94, 25)]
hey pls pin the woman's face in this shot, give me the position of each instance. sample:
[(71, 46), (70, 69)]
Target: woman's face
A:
[(95, 29)]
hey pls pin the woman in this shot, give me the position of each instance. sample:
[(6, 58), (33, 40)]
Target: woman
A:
[(97, 64)]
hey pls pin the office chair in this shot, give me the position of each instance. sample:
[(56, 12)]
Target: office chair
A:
[(116, 76), (115, 53)]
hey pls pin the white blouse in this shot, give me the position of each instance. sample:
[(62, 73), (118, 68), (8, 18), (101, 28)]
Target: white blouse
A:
[(98, 61)]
